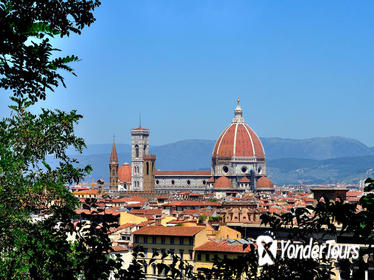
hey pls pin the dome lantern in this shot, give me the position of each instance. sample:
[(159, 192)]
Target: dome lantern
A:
[(238, 113)]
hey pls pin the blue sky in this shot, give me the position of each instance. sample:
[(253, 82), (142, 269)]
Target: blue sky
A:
[(301, 69)]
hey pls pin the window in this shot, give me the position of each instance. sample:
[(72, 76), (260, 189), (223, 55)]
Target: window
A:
[(163, 252), (188, 182), (153, 239), (181, 252), (225, 169), (244, 169), (204, 182), (154, 251), (172, 182), (136, 239), (147, 164), (198, 256), (162, 240), (136, 150), (181, 240), (172, 240), (191, 241), (145, 239), (157, 182), (125, 237), (207, 257), (190, 252)]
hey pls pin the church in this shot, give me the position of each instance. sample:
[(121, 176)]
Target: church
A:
[(238, 165)]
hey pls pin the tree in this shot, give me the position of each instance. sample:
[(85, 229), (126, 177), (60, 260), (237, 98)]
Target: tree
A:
[(41, 249), (27, 66)]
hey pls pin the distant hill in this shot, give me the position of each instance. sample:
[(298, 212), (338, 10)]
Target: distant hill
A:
[(314, 148), (314, 160), (347, 170)]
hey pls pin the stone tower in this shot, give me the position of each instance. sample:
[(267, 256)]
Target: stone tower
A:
[(113, 169), (139, 149), (149, 173)]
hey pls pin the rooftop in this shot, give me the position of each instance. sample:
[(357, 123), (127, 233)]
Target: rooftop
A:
[(169, 231)]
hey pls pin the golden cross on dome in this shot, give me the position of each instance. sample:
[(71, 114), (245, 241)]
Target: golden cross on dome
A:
[(238, 100)]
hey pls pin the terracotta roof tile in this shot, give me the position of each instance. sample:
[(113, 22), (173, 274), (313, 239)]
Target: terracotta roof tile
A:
[(125, 226), (223, 183), (146, 212), (264, 183), (119, 249), (186, 203), (247, 143), (244, 180), (223, 246), (86, 192), (169, 231)]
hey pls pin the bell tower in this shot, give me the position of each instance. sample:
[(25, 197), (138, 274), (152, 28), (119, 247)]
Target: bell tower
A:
[(139, 149), (113, 169), (149, 173)]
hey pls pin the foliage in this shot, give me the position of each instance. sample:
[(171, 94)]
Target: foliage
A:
[(202, 218), (28, 65), (50, 244), (214, 219)]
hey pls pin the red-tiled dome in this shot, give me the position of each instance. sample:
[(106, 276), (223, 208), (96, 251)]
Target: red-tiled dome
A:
[(244, 180), (264, 183), (124, 173), (223, 183), (238, 140)]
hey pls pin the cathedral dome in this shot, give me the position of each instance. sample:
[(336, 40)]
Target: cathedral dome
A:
[(264, 183), (238, 140), (124, 173)]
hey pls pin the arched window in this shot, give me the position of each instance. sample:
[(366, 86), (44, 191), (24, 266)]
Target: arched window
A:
[(147, 168), (136, 150)]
